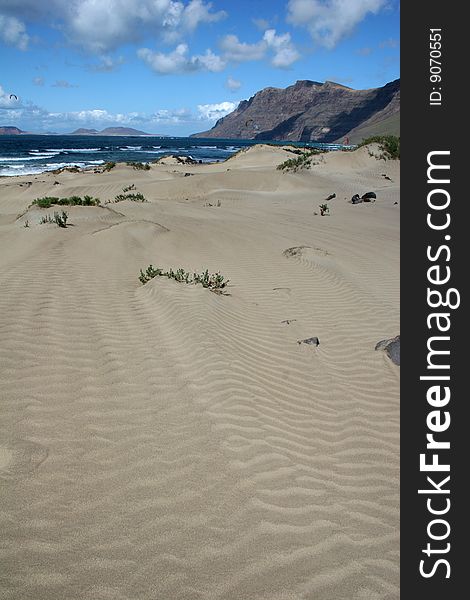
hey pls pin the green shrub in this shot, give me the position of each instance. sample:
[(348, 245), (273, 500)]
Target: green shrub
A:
[(133, 197), (49, 201), (304, 161), (389, 144), (139, 166), (46, 202), (109, 165), (214, 282)]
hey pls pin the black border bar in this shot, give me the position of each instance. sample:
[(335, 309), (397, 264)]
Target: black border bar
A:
[(442, 127)]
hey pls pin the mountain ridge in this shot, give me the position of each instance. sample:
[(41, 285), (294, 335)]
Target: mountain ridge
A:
[(311, 111)]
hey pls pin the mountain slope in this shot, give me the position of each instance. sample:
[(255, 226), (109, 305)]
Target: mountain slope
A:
[(310, 111)]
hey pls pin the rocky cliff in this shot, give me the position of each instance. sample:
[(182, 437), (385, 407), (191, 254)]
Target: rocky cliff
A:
[(312, 111)]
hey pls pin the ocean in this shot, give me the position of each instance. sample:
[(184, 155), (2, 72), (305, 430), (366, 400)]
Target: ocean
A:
[(34, 154)]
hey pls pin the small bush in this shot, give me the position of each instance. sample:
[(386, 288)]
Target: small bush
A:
[(49, 201), (389, 144), (139, 166), (61, 219), (129, 188), (133, 197), (109, 165), (304, 161), (324, 209), (214, 282)]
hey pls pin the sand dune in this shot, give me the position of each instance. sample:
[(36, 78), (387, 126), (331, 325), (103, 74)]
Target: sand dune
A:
[(165, 442)]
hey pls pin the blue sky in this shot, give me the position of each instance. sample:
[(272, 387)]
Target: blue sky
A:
[(175, 66)]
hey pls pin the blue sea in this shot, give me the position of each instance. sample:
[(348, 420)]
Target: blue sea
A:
[(34, 154)]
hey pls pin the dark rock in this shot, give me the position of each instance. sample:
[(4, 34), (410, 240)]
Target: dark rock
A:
[(356, 199), (369, 197), (313, 341), (330, 197), (392, 348)]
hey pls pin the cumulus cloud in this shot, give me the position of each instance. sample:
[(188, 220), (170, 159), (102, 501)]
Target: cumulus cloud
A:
[(233, 84), (39, 81), (237, 51), (212, 112), (100, 26), (283, 50), (39, 119), (13, 32), (329, 21), (179, 61)]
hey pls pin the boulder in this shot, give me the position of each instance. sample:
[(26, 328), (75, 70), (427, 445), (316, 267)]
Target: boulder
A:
[(313, 341), (391, 347)]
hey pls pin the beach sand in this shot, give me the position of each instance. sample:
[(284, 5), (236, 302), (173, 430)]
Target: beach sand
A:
[(163, 442)]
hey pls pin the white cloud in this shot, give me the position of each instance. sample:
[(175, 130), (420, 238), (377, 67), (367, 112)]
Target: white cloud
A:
[(100, 26), (8, 100), (13, 32), (179, 61), (233, 84), (329, 21), (212, 112), (285, 52), (240, 51), (31, 117), (197, 12), (39, 81), (281, 46)]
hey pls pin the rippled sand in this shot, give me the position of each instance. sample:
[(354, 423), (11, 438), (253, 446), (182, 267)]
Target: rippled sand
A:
[(162, 442)]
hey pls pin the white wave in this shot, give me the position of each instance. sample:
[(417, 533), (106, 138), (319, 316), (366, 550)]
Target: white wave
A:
[(131, 148), (206, 147), (156, 146), (17, 159), (16, 170), (73, 150), (38, 155)]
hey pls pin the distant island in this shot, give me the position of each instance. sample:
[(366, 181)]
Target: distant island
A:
[(114, 131), (8, 130), (309, 111), (111, 131)]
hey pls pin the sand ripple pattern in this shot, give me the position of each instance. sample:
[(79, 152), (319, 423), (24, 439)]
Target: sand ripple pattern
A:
[(161, 442)]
